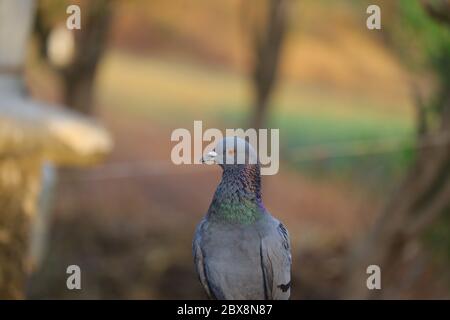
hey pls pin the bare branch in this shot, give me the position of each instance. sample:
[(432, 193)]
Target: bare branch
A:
[(438, 10)]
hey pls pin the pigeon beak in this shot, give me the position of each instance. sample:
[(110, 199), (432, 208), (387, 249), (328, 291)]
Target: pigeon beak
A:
[(209, 158)]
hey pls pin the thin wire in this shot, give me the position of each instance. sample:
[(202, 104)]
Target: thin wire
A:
[(355, 148), (346, 149), (121, 170), (362, 148)]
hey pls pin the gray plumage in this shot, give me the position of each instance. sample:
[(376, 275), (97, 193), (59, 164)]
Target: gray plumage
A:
[(241, 251)]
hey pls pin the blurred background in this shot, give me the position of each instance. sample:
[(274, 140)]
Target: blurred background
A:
[(364, 119)]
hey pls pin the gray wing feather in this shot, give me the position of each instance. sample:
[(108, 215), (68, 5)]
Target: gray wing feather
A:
[(199, 261), (276, 264)]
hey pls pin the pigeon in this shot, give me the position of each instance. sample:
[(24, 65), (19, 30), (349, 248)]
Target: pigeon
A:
[(240, 251)]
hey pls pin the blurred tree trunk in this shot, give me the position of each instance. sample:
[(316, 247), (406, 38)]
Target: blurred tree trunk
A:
[(422, 196), (89, 47), (79, 75), (267, 42)]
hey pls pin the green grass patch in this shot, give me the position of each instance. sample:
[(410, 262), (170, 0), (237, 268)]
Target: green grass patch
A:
[(175, 93)]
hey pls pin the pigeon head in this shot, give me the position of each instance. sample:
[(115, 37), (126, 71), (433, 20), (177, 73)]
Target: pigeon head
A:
[(232, 153)]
